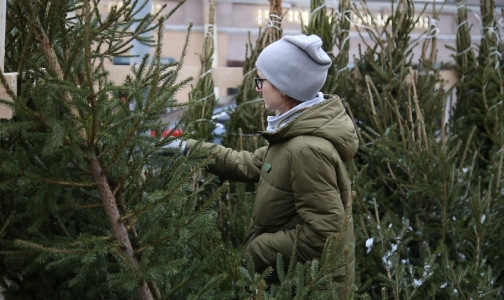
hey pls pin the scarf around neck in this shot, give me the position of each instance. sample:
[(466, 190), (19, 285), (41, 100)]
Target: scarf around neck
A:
[(278, 121)]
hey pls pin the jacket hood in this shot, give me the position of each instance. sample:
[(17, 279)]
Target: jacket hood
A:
[(327, 120)]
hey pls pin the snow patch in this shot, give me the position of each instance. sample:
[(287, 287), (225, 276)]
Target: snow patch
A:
[(369, 244), (417, 282)]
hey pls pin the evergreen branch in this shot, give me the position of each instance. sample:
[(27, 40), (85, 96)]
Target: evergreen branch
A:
[(21, 252), (418, 112), (9, 219), (180, 285), (157, 66), (135, 126), (41, 248), (127, 261), (361, 140), (366, 135), (208, 202), (171, 192), (400, 122), (174, 9), (58, 182), (28, 42), (87, 66), (123, 145), (380, 231), (394, 177), (90, 206), (15, 98), (409, 114), (443, 129), (499, 169), (87, 50), (466, 149), (371, 102), (293, 257), (53, 65)]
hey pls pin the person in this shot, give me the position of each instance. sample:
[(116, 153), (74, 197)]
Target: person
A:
[(301, 177)]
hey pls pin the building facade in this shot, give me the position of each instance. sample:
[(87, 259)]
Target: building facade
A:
[(239, 20)]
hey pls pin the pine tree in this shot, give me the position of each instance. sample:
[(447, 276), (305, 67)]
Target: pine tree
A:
[(88, 208)]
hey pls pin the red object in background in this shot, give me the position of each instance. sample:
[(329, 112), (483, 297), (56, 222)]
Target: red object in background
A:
[(174, 133)]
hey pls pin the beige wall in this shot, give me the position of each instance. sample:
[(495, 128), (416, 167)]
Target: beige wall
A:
[(236, 19), (5, 111), (227, 77), (224, 77)]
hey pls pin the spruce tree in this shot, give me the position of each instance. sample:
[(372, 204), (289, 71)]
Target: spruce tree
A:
[(425, 214), (88, 208), (202, 94), (480, 89)]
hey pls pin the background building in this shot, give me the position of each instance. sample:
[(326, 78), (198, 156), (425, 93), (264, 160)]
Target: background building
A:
[(236, 19)]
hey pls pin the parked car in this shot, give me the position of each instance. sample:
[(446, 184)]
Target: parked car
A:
[(170, 131), (220, 117)]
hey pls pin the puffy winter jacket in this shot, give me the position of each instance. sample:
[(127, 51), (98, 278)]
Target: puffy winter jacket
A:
[(302, 181)]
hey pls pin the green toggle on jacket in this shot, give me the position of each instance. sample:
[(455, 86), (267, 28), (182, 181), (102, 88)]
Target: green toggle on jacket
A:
[(302, 181)]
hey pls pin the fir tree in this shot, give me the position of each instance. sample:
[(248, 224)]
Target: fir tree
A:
[(88, 208)]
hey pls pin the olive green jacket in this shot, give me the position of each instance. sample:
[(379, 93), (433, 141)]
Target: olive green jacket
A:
[(302, 181)]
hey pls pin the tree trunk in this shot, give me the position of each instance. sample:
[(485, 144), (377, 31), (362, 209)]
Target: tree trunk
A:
[(112, 211)]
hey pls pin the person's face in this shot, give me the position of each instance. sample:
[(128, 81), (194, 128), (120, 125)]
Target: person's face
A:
[(273, 99)]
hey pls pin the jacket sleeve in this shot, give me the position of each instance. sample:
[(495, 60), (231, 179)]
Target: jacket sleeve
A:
[(318, 204), (243, 166)]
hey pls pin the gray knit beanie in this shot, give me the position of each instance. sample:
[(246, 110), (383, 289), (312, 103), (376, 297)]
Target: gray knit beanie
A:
[(296, 65)]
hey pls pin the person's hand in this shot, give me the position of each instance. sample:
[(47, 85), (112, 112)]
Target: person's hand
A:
[(177, 146)]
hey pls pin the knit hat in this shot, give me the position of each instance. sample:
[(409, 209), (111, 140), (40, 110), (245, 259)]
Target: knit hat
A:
[(296, 65)]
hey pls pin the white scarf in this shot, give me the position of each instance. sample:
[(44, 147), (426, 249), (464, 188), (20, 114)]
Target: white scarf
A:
[(278, 121)]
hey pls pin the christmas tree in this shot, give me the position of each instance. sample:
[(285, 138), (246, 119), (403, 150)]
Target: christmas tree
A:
[(423, 206), (88, 208), (480, 88)]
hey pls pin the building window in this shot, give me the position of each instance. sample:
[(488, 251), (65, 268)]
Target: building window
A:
[(235, 63), (125, 61), (121, 61)]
